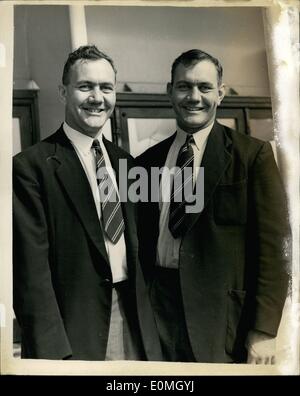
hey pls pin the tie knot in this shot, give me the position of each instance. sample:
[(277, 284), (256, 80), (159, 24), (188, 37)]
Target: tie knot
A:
[(189, 140), (96, 144)]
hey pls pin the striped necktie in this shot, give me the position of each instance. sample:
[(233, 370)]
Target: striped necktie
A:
[(177, 217), (112, 217)]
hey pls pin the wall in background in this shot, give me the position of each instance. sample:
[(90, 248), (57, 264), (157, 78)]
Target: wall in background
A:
[(42, 42), (143, 41)]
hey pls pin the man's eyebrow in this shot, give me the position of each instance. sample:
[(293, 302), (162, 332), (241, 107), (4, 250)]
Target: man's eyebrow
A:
[(83, 82), (94, 83), (189, 82)]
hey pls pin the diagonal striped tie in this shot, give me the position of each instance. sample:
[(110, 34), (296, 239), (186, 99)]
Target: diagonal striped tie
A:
[(112, 217), (177, 216)]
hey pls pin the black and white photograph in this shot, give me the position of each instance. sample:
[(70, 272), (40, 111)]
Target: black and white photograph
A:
[(150, 178)]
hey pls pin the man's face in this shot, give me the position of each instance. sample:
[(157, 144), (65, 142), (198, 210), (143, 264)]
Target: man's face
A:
[(90, 95), (195, 95)]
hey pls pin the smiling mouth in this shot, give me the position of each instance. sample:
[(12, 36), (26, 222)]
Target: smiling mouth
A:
[(92, 110), (193, 109)]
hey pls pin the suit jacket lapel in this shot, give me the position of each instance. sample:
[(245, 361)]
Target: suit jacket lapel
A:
[(164, 148), (74, 181), (159, 161), (216, 159)]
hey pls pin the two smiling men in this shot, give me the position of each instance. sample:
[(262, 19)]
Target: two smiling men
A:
[(217, 278)]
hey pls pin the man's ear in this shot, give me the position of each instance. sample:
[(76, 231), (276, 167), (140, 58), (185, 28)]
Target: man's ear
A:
[(221, 91), (169, 90), (62, 93)]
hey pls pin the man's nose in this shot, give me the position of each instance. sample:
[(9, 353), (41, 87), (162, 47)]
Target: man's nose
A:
[(195, 94), (96, 95)]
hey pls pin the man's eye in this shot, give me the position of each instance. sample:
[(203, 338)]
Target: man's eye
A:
[(205, 88), (107, 89), (182, 87), (84, 87)]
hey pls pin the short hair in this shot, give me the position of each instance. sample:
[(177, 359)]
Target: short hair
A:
[(90, 52), (194, 56)]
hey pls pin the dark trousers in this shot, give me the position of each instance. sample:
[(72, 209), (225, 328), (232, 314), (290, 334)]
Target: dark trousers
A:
[(168, 310)]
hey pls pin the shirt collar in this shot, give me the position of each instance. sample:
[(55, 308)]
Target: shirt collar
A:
[(199, 137), (81, 141)]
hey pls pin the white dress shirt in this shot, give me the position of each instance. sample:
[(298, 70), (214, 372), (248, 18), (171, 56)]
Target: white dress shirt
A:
[(168, 247), (82, 144)]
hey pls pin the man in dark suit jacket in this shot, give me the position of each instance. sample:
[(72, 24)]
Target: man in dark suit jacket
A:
[(79, 292), (217, 278)]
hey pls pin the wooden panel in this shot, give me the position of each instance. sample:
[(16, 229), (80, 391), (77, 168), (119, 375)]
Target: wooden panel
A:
[(25, 108), (233, 114), (236, 111), (130, 113)]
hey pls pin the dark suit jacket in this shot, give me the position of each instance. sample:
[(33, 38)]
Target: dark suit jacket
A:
[(62, 277), (232, 266)]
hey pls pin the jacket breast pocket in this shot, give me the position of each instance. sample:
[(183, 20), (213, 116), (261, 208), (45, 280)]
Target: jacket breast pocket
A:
[(230, 203), (236, 300)]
